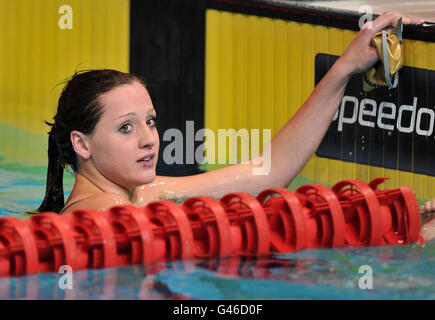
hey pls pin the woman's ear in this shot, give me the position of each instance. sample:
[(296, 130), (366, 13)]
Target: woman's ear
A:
[(80, 144)]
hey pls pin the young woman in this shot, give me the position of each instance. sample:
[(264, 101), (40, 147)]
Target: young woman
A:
[(105, 129)]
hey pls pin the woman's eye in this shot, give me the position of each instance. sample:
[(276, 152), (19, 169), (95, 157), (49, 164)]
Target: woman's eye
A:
[(152, 121), (126, 128)]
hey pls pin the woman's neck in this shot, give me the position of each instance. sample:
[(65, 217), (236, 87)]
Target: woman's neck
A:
[(91, 181)]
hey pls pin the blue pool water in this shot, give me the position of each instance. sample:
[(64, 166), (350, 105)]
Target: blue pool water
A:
[(399, 272)]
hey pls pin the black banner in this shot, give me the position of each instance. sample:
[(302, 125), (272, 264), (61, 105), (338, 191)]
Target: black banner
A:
[(392, 129), (167, 41)]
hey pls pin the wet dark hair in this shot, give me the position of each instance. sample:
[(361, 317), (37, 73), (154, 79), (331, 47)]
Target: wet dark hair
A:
[(79, 108)]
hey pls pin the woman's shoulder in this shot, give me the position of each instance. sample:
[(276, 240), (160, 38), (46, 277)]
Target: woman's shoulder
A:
[(99, 202)]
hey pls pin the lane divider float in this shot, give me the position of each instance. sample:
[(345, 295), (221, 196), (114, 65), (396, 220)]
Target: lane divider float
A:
[(351, 213)]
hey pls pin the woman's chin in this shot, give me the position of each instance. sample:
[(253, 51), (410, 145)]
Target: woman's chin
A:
[(146, 180)]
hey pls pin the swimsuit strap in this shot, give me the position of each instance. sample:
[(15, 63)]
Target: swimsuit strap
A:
[(69, 206), (74, 203)]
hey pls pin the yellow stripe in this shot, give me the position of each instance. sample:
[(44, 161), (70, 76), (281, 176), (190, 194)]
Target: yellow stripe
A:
[(253, 75), (36, 55), (321, 45), (212, 76)]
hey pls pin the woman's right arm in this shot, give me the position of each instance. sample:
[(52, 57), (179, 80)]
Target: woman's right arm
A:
[(295, 142)]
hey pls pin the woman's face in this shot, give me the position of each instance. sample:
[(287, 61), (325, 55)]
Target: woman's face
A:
[(125, 143)]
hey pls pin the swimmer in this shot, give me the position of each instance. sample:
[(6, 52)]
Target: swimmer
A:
[(105, 130)]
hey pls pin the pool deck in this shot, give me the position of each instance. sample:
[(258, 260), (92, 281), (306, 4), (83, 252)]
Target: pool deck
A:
[(424, 9)]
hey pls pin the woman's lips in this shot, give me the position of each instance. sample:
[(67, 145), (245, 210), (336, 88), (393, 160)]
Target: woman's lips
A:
[(146, 163)]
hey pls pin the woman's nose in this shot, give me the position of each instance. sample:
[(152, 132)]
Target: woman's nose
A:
[(148, 137)]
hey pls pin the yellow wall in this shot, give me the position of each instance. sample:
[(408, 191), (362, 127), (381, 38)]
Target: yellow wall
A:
[(36, 55), (259, 71)]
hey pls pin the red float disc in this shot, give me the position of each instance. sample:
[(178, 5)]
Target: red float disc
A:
[(401, 227), (213, 242), (364, 226), (175, 249), (250, 235), (185, 231), (295, 213), (142, 226), (5, 262), (62, 232), (100, 236), (374, 211), (21, 240), (215, 209), (286, 226), (259, 218), (352, 236), (376, 182), (412, 213), (327, 231), (335, 211)]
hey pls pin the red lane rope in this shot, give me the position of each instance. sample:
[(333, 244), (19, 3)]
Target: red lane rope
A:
[(353, 213)]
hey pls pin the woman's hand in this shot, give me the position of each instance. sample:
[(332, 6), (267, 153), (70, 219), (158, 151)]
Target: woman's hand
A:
[(428, 206), (427, 230), (360, 55), (427, 212)]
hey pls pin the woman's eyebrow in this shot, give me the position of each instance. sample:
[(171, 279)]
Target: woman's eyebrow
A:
[(151, 111), (127, 115)]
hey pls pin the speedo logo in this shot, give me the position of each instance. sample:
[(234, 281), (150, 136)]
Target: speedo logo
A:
[(385, 115), (392, 129)]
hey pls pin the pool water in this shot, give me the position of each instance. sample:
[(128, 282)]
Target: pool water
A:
[(398, 272)]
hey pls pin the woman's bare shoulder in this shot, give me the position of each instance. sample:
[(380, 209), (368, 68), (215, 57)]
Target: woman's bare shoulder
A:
[(98, 202), (154, 191), (163, 188)]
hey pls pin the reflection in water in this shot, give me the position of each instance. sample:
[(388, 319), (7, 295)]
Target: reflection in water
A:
[(114, 283), (399, 272), (145, 282)]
